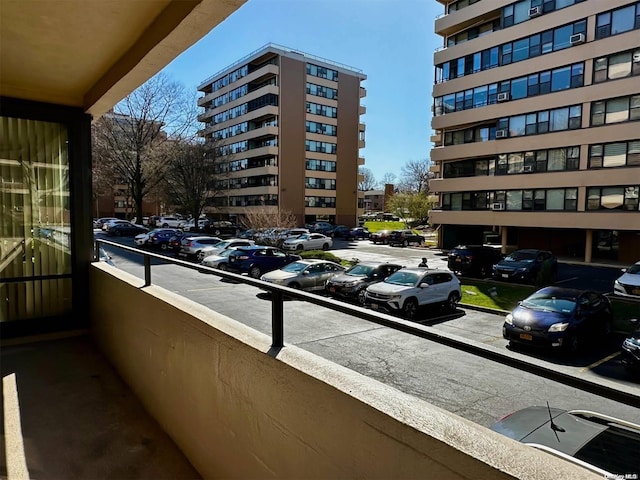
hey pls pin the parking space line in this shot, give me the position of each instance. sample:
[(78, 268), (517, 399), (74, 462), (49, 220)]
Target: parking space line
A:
[(567, 280), (599, 362)]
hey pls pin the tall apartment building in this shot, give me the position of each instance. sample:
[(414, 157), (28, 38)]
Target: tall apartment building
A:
[(536, 119), (288, 128)]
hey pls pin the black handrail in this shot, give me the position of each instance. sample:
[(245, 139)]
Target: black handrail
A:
[(278, 293)]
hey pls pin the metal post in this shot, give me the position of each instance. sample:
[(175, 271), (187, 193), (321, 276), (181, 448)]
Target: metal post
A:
[(277, 320), (147, 270)]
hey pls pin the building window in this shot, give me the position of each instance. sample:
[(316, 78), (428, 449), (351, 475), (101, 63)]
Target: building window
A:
[(320, 183), (620, 65), (618, 154), (322, 91), (323, 147), (613, 198), (320, 165), (320, 202), (321, 128), (615, 110), (617, 21)]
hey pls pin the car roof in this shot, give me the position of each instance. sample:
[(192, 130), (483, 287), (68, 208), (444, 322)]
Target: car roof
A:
[(377, 264), (422, 270), (202, 237), (312, 261), (561, 291)]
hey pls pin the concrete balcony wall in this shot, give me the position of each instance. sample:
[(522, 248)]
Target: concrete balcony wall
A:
[(239, 409)]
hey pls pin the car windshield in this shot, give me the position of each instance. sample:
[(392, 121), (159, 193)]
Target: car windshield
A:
[(550, 303), (360, 271), (403, 278), (221, 245), (521, 257), (635, 269), (295, 267)]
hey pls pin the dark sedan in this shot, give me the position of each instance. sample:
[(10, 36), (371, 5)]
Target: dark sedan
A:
[(473, 260), (358, 233), (527, 265), (561, 318), (258, 259), (351, 284), (126, 230)]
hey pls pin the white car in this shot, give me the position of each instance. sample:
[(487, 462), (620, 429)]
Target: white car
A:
[(309, 241), (190, 247), (218, 261), (168, 222), (406, 290), (628, 285), (218, 248)]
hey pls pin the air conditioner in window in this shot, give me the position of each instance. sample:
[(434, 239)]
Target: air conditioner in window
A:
[(502, 133), (503, 96), (528, 168), (577, 39), (535, 11), (497, 206)]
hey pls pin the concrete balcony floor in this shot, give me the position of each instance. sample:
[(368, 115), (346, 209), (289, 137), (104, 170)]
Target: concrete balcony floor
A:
[(80, 421)]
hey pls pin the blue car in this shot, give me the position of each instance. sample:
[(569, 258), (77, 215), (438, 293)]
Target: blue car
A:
[(560, 318), (525, 265), (258, 259)]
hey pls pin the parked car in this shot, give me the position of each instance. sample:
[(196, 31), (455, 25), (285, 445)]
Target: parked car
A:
[(561, 318), (218, 261), (405, 238), (607, 446), (175, 242), (473, 260), (630, 350), (310, 274), (159, 238), (258, 259), (358, 233), (217, 248), (101, 221), (191, 246), (116, 221), (223, 228), (628, 284), (190, 226), (381, 236), (166, 222), (525, 265), (321, 227), (289, 233), (410, 288), (127, 229), (339, 231), (351, 284), (311, 241)]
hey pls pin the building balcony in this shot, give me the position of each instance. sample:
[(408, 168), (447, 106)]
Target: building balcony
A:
[(172, 389), (361, 161), (363, 92), (362, 110)]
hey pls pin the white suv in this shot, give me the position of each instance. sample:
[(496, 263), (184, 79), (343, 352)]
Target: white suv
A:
[(406, 290), (168, 222)]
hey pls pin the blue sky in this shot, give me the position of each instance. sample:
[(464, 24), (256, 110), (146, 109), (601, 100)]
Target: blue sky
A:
[(391, 41)]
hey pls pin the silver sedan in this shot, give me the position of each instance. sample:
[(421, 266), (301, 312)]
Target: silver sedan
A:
[(310, 274)]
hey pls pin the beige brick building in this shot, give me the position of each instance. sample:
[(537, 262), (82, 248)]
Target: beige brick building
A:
[(288, 124), (536, 120)]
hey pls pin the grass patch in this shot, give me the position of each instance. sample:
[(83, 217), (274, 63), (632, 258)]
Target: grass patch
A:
[(493, 294), (377, 226)]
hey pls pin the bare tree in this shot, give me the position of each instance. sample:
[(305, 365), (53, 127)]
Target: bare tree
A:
[(131, 136), (415, 176), (265, 217), (192, 176), (388, 178), (411, 206), (102, 181), (368, 181)]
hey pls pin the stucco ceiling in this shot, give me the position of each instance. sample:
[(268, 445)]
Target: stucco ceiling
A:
[(92, 53)]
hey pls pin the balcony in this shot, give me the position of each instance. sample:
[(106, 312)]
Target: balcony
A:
[(173, 389)]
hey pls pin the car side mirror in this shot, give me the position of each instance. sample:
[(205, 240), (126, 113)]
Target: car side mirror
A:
[(305, 273), (623, 270), (424, 285)]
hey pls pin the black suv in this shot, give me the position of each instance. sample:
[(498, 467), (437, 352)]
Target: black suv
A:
[(351, 284), (405, 238), (526, 265), (473, 260)]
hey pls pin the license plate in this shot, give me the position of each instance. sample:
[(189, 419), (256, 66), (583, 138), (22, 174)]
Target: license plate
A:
[(526, 336), (505, 275), (636, 291), (332, 289), (458, 260), (374, 306)]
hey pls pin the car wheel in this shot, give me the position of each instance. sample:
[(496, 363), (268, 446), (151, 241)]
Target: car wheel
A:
[(294, 285), (483, 272), (452, 301), (164, 246), (254, 272), (410, 308), (325, 247), (572, 344), (361, 297), (405, 243), (222, 266), (300, 247), (217, 232), (385, 242), (165, 225)]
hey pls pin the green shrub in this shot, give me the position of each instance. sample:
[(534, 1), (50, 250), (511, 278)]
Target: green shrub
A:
[(321, 254)]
